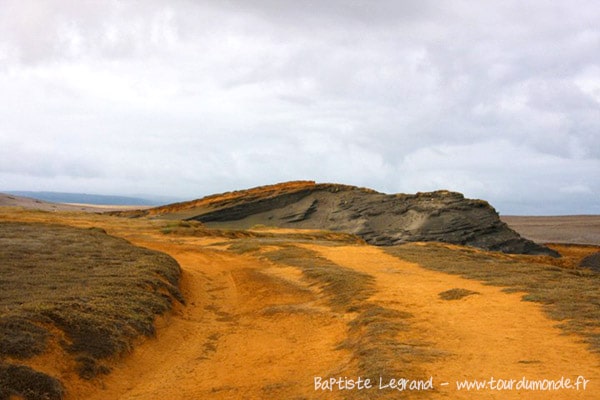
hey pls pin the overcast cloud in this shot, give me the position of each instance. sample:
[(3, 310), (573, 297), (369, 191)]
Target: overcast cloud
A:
[(499, 100)]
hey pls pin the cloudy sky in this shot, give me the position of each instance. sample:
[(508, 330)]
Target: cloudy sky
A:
[(499, 100)]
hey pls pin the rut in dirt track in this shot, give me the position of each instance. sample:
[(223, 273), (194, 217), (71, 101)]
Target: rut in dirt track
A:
[(235, 338)]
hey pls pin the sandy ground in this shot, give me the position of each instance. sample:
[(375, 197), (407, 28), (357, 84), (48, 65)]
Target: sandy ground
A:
[(490, 334), (574, 229), (252, 329)]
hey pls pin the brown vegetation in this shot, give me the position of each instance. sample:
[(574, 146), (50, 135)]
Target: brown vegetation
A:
[(100, 292), (456, 294)]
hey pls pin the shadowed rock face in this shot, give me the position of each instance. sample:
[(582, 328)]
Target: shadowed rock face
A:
[(592, 261), (378, 218)]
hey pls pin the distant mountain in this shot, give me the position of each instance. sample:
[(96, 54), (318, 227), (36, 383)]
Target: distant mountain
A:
[(380, 219), (84, 198)]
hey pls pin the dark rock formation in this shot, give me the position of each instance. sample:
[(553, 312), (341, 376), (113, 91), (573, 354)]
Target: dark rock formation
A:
[(592, 261), (378, 218)]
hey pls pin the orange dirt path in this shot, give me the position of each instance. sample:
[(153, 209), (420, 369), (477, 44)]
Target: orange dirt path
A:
[(230, 341), (227, 344), (490, 334)]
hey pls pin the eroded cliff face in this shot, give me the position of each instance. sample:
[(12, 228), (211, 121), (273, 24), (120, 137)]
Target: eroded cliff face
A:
[(378, 218)]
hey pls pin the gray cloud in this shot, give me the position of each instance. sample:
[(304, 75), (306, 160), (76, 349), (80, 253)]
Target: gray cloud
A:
[(500, 100)]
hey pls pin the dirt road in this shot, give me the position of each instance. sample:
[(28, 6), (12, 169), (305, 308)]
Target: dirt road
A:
[(233, 339), (254, 330)]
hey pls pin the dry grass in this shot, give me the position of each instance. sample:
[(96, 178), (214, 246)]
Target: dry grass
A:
[(372, 338), (456, 294), (100, 291), (20, 380), (345, 288), (570, 296)]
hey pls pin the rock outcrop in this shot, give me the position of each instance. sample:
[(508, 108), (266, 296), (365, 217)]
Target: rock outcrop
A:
[(380, 219), (592, 261)]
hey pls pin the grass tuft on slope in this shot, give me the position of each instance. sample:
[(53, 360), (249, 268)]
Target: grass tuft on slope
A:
[(99, 291)]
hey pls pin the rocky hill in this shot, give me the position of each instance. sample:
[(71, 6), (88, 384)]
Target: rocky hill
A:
[(380, 219)]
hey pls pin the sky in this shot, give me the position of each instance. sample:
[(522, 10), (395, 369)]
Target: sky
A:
[(498, 100)]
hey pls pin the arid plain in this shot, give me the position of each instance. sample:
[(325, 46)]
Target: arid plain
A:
[(269, 312)]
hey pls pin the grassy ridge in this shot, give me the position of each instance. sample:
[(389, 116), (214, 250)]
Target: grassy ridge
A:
[(100, 291)]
